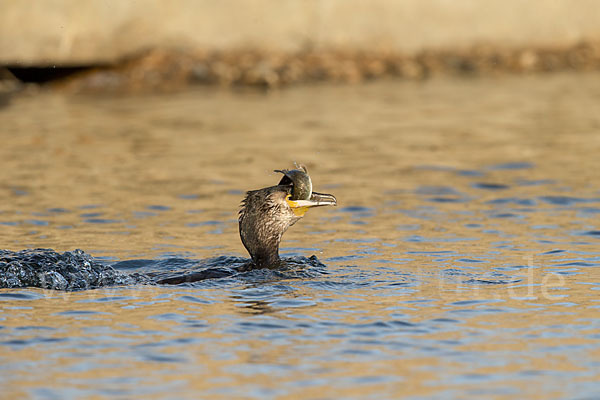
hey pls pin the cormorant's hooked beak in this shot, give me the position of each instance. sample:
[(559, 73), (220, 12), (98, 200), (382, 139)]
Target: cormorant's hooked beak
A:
[(299, 207)]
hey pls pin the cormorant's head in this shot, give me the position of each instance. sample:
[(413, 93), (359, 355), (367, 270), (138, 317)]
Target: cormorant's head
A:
[(267, 213)]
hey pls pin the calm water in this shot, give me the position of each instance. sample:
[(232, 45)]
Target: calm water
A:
[(463, 259)]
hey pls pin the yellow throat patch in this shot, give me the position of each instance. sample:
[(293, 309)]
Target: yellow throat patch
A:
[(298, 210)]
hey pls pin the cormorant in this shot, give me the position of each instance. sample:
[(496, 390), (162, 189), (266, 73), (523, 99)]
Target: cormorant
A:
[(267, 213), (264, 217)]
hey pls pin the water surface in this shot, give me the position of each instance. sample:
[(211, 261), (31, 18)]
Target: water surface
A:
[(462, 260)]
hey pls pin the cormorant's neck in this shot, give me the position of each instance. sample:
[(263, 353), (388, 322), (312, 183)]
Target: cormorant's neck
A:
[(262, 243), (266, 258), (264, 218)]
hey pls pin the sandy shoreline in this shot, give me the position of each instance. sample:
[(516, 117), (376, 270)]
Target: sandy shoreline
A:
[(170, 69)]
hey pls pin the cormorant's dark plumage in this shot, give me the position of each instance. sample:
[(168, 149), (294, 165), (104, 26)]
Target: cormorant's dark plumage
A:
[(264, 217), (267, 213)]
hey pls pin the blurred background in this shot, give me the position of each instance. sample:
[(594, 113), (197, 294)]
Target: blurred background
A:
[(460, 137), (134, 45)]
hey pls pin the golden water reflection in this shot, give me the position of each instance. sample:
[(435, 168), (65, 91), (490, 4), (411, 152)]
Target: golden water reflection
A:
[(462, 259)]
